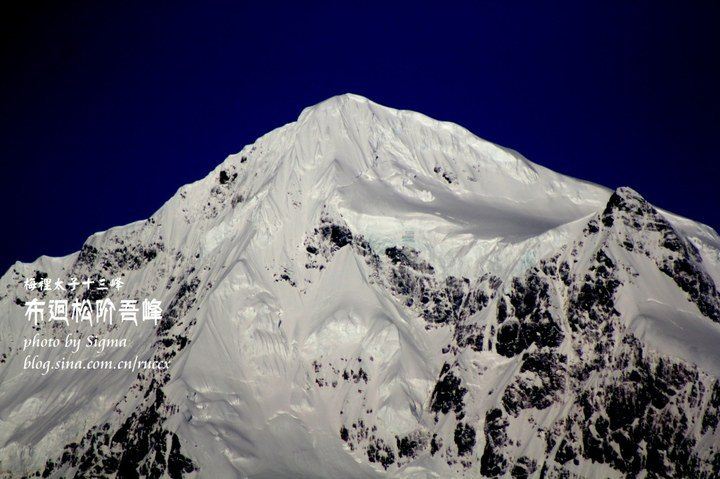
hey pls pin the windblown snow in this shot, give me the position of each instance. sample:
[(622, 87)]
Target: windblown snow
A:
[(368, 292)]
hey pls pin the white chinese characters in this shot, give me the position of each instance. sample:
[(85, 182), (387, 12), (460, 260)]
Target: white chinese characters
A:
[(47, 284), (101, 312)]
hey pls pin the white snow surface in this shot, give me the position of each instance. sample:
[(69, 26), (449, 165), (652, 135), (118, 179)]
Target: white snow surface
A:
[(245, 390)]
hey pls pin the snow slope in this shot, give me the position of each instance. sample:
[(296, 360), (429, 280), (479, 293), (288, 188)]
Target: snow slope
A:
[(367, 292)]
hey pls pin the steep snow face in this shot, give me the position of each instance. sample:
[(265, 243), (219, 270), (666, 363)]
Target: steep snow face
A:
[(368, 292), (430, 182)]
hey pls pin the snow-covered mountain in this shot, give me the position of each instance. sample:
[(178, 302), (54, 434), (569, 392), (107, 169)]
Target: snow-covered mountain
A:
[(367, 292)]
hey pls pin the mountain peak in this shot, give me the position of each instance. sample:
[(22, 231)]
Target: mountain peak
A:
[(627, 200), (344, 102), (338, 100), (368, 292)]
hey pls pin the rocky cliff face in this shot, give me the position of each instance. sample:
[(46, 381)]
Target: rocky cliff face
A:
[(367, 292)]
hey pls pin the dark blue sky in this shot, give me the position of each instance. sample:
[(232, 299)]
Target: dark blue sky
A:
[(107, 109)]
